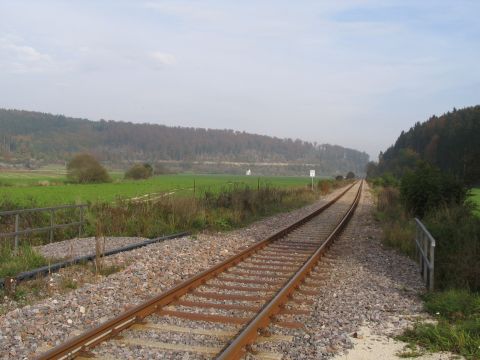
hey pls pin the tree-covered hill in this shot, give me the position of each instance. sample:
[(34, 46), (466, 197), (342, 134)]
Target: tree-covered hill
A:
[(26, 135), (450, 142)]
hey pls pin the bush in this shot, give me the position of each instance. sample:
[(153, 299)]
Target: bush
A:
[(339, 177), (324, 186), (456, 230), (350, 175), (387, 180), (139, 171), (426, 188), (84, 168)]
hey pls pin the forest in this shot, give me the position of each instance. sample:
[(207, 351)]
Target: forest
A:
[(32, 137), (450, 142)]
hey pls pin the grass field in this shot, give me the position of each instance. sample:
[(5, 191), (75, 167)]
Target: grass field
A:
[(23, 187)]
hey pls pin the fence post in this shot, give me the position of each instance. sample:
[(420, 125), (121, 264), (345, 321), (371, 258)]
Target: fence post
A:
[(425, 261), (17, 220), (51, 225), (432, 264)]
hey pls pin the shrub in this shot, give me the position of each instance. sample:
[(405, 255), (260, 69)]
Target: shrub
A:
[(456, 230), (339, 177), (387, 180), (324, 186), (350, 175), (84, 168), (139, 171), (427, 188)]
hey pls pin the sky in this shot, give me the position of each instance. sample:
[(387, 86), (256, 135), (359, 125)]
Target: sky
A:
[(352, 73)]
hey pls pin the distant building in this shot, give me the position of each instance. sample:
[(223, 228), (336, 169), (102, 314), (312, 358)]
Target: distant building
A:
[(249, 172)]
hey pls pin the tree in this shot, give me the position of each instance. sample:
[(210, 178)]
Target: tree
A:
[(427, 188), (339, 177), (139, 171), (350, 175), (84, 168)]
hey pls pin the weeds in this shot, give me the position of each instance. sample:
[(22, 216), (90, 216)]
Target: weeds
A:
[(398, 227), (222, 210), (458, 326), (111, 269), (27, 259), (68, 283)]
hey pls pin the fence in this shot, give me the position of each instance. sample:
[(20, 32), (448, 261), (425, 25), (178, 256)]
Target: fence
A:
[(425, 251), (18, 232)]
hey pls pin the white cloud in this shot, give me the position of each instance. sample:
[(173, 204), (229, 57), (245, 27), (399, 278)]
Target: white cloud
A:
[(19, 58), (163, 59)]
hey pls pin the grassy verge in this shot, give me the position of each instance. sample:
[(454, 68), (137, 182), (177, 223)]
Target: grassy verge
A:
[(26, 259), (458, 325), (398, 227)]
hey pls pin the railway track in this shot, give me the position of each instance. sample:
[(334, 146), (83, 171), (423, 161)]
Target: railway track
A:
[(222, 311)]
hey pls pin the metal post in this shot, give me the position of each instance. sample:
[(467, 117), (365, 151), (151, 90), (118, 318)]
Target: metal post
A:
[(17, 220), (425, 261), (417, 239), (51, 225), (432, 264)]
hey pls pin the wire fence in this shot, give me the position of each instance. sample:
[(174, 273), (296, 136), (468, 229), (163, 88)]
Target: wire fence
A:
[(23, 228)]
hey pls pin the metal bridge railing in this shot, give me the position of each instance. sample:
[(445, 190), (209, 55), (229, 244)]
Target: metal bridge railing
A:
[(18, 232), (425, 253)]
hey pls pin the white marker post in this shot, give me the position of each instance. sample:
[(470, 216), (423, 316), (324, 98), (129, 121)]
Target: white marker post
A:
[(312, 175)]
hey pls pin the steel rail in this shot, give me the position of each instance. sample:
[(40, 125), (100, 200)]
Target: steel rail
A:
[(81, 344), (249, 333)]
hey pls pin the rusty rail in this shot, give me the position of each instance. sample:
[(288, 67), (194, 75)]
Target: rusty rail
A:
[(235, 349), (80, 345)]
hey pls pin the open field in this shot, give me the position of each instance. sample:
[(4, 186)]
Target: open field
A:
[(22, 187)]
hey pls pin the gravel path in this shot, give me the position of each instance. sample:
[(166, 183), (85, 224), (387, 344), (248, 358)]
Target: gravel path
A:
[(151, 270), (84, 246)]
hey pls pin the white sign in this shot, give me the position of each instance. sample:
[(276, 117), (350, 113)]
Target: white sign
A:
[(312, 173)]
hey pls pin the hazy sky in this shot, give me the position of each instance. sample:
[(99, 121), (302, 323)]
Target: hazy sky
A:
[(353, 73)]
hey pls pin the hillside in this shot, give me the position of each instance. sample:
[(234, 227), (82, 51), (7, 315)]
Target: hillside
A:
[(451, 142), (36, 138)]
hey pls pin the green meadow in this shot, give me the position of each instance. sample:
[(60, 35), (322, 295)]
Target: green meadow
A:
[(48, 188)]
